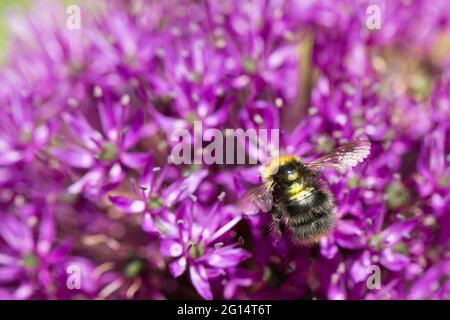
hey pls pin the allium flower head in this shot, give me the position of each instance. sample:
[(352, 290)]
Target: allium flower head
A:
[(92, 117), (103, 153), (29, 255)]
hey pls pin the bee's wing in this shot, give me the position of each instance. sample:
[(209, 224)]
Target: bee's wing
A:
[(255, 199), (347, 155)]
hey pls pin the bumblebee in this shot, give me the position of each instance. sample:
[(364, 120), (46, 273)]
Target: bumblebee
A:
[(297, 199)]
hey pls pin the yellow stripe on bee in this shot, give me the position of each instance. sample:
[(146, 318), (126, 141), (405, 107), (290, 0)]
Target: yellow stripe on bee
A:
[(295, 188), (272, 167), (292, 176), (298, 191)]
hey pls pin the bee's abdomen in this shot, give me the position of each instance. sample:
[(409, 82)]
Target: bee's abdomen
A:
[(310, 215), (299, 204), (314, 230)]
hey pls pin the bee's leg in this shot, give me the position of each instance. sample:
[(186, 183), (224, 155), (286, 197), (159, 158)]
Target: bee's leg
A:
[(277, 227)]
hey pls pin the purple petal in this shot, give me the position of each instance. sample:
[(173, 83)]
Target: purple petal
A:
[(177, 267), (10, 157), (328, 247), (199, 279), (108, 121), (393, 260), (75, 156), (83, 131), (359, 269), (60, 252), (224, 229), (128, 205), (24, 291), (349, 235), (395, 232), (46, 234), (179, 191), (168, 124), (92, 178), (147, 176), (226, 257), (134, 133), (16, 234), (134, 160), (336, 290), (7, 260), (427, 283), (116, 173), (171, 248), (8, 274), (148, 224), (41, 135)]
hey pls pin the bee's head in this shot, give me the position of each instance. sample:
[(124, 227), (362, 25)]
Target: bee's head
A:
[(284, 169), (288, 172)]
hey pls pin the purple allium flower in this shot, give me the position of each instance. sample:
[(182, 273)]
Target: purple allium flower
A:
[(29, 255), (194, 81), (86, 132), (127, 276), (433, 284), (195, 243), (104, 154), (153, 196), (25, 128)]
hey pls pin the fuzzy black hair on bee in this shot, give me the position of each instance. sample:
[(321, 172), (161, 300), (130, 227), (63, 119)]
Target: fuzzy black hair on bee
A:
[(300, 204), (295, 196)]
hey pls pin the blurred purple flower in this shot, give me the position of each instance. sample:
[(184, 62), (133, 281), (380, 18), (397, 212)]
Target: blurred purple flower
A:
[(29, 255), (193, 242), (104, 154), (86, 127)]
